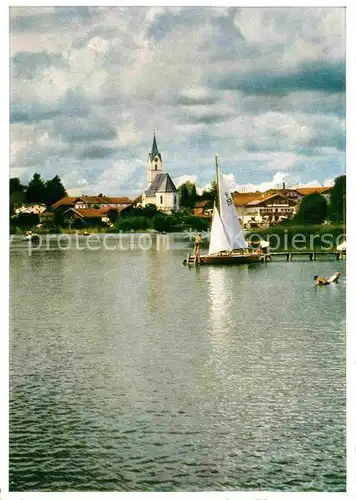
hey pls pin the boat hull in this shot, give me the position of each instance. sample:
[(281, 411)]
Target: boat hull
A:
[(226, 259)]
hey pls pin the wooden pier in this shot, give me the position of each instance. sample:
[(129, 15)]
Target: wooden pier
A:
[(289, 256)]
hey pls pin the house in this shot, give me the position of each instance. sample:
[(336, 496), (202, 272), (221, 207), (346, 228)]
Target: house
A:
[(261, 207), (201, 208), (91, 216), (31, 208), (291, 193), (137, 202), (89, 210), (324, 191), (97, 202), (47, 216), (83, 216), (161, 190)]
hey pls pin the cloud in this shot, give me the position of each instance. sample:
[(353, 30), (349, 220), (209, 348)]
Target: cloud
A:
[(86, 129), (28, 65), (318, 76), (72, 104), (37, 19), (263, 88), (98, 152), (278, 180), (178, 181)]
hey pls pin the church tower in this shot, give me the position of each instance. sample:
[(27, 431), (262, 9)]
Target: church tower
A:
[(155, 165)]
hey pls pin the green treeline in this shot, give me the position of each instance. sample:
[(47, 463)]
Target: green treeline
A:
[(149, 217), (37, 191), (314, 208)]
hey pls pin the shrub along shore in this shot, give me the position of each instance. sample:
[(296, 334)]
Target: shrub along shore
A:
[(288, 237), (282, 237)]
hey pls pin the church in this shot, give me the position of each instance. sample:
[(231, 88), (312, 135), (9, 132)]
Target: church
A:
[(161, 190)]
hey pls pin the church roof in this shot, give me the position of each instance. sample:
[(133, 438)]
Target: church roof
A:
[(162, 183), (154, 151)]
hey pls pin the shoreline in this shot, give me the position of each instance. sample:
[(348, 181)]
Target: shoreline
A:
[(281, 238)]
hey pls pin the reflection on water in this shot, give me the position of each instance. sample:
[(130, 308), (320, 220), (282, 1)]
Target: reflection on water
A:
[(220, 299), (129, 371)]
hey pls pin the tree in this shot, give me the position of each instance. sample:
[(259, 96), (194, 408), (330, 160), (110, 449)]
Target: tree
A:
[(161, 223), (193, 196), (313, 209), (337, 209), (149, 211), (54, 191), (210, 194), (16, 186), (26, 220), (112, 215), (17, 194), (183, 195), (36, 190), (187, 195)]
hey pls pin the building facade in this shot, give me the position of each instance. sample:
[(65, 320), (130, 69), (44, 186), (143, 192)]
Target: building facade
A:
[(261, 208), (161, 190)]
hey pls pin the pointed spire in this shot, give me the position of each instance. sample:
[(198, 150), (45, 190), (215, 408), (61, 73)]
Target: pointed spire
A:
[(155, 151)]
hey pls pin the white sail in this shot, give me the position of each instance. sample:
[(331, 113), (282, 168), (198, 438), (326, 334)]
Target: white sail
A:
[(218, 238), (229, 215)]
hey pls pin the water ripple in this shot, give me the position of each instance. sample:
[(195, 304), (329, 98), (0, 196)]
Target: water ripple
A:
[(229, 379)]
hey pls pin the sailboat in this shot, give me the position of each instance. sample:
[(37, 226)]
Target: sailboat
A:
[(227, 242)]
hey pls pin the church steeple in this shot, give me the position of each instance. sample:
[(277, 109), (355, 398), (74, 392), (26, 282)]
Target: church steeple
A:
[(155, 165), (154, 152)]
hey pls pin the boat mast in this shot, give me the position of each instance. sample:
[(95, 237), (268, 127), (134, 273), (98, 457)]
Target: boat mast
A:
[(217, 184)]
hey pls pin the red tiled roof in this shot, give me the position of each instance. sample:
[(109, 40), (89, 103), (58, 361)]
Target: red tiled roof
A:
[(280, 191), (65, 201), (137, 200), (87, 213), (310, 190), (243, 198), (202, 204), (120, 200), (266, 198), (94, 200), (105, 210)]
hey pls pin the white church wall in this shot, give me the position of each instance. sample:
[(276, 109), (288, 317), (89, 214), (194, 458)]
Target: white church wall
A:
[(167, 201)]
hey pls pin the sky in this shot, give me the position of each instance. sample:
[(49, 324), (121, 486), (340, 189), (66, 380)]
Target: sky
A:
[(263, 88)]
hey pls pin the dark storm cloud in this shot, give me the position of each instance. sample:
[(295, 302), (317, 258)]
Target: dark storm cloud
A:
[(60, 18), (329, 138), (84, 130), (31, 112), (28, 65), (207, 118), (306, 102), (209, 80), (168, 22), (319, 76), (196, 101), (71, 105), (98, 152)]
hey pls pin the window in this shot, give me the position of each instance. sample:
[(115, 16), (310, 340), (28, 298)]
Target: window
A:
[(161, 200)]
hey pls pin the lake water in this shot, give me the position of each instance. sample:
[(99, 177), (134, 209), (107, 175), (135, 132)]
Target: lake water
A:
[(129, 371)]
